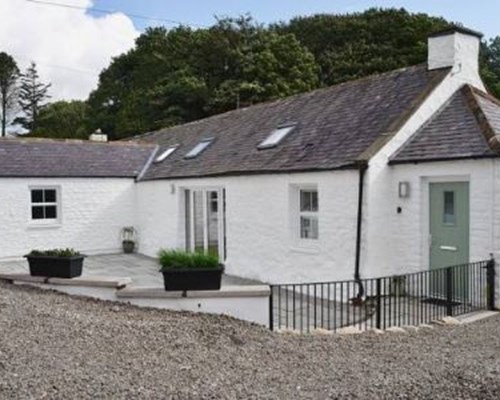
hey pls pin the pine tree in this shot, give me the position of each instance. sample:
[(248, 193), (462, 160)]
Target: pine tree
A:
[(32, 94), (9, 74)]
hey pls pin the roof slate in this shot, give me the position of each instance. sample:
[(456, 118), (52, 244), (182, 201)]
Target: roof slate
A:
[(70, 158), (459, 130), (335, 128)]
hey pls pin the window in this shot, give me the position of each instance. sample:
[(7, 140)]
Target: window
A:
[(308, 213), (199, 148), (163, 156), (449, 217), (276, 136), (44, 204)]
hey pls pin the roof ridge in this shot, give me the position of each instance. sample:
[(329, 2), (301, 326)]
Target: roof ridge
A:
[(484, 123), (74, 141), (484, 94), (288, 98)]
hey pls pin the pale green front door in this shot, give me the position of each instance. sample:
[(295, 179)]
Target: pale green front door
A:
[(449, 233)]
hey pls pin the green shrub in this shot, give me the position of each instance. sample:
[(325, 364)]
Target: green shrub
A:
[(177, 259), (55, 253)]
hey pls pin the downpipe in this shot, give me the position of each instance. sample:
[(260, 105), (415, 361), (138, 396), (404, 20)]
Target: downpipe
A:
[(363, 166)]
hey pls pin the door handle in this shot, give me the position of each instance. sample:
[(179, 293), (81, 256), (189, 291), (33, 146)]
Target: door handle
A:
[(448, 248)]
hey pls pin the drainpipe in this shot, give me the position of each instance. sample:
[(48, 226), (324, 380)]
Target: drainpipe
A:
[(363, 166)]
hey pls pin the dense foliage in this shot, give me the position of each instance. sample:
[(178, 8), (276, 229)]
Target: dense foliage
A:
[(54, 253), (177, 259), (62, 119), (183, 74)]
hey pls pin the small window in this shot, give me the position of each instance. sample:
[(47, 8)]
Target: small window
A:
[(199, 148), (44, 204), (276, 136), (449, 217), (163, 156), (308, 214)]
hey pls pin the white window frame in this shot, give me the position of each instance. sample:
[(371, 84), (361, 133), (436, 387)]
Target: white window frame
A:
[(45, 222), (307, 214)]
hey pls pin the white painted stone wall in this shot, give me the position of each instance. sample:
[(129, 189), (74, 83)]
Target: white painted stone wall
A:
[(92, 215), (379, 179), (407, 233), (261, 224)]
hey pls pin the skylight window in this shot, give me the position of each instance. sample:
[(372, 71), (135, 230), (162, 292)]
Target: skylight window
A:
[(199, 148), (276, 136), (163, 156)]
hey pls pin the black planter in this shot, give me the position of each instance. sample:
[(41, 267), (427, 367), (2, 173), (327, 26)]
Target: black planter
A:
[(192, 279), (128, 246), (55, 267)]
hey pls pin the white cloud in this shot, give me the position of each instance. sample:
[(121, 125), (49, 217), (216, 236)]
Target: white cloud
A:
[(56, 37)]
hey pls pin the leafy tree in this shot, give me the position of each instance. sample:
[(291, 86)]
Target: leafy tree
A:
[(180, 75), (355, 45), (490, 65), (62, 119), (32, 94), (9, 74)]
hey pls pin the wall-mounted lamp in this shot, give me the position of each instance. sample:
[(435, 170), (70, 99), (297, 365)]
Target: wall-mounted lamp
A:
[(172, 188), (404, 189)]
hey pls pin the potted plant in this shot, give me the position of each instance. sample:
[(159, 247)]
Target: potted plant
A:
[(55, 263), (190, 271), (128, 239)]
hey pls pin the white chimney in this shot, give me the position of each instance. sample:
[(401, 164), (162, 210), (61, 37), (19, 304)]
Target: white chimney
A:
[(456, 47), (98, 136)]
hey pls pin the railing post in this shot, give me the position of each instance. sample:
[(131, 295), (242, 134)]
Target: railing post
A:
[(271, 319), (490, 284), (449, 291), (378, 304)]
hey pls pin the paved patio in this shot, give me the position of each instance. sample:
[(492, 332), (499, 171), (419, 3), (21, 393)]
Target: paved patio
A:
[(141, 269)]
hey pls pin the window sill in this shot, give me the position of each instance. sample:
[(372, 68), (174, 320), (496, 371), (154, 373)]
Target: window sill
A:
[(46, 225), (305, 248)]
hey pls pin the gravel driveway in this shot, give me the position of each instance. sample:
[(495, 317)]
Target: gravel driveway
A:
[(55, 346)]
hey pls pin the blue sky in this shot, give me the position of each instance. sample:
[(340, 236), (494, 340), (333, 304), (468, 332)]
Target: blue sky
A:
[(481, 15)]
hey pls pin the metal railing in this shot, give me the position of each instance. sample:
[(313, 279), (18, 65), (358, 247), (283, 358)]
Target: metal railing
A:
[(401, 300)]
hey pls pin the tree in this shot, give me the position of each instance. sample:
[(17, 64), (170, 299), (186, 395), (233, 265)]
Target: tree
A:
[(9, 74), (32, 94), (490, 65), (180, 75), (62, 119), (352, 46)]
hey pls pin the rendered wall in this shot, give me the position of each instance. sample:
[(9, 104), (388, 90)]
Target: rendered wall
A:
[(407, 233), (93, 211), (260, 230)]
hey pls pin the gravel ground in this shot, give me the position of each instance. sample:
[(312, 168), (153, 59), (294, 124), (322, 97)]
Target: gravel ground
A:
[(54, 346)]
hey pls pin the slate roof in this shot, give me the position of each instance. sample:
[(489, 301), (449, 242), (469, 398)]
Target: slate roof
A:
[(336, 128), (466, 127), (71, 158)]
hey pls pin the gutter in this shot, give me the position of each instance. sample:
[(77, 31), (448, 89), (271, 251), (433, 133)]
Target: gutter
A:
[(363, 166)]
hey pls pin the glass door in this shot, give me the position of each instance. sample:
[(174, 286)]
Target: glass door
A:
[(204, 215)]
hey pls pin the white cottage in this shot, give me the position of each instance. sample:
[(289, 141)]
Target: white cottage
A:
[(393, 173)]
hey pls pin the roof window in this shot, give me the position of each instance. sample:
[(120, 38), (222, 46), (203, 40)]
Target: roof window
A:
[(276, 136), (199, 148), (163, 156)]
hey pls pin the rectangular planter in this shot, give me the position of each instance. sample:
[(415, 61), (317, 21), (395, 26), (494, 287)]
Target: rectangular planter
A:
[(192, 279), (55, 267)]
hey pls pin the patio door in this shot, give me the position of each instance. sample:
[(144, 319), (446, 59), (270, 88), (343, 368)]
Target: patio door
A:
[(449, 235), (205, 221)]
